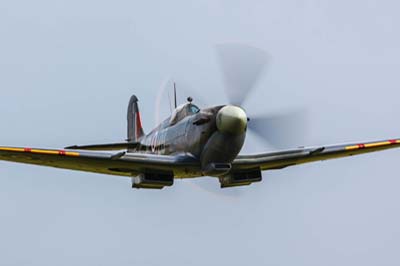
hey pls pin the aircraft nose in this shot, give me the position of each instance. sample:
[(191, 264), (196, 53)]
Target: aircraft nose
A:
[(231, 119)]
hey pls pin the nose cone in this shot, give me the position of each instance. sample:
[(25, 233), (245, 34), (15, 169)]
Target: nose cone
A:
[(232, 120)]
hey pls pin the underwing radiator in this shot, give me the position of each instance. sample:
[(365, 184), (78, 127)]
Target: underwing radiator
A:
[(240, 178), (153, 180)]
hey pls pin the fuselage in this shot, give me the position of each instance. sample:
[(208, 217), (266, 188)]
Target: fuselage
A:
[(188, 134), (212, 135)]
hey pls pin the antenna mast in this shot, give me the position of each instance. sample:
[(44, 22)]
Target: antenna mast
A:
[(176, 105)]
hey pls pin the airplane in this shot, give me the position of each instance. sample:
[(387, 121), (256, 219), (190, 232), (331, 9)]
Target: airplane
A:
[(193, 142)]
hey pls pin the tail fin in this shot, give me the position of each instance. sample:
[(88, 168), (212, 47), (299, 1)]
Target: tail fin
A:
[(135, 129)]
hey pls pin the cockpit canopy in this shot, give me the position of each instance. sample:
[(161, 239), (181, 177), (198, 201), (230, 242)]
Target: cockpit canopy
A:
[(183, 111)]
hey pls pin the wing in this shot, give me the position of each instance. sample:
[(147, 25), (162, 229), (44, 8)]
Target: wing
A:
[(122, 163), (282, 159)]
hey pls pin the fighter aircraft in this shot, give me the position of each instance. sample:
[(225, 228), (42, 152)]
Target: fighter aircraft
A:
[(194, 142)]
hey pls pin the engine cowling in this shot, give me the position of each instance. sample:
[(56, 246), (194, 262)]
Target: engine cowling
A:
[(221, 149)]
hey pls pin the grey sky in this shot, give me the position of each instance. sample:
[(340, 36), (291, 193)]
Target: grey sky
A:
[(67, 69)]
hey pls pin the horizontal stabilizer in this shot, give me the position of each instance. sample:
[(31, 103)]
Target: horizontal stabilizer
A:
[(105, 147)]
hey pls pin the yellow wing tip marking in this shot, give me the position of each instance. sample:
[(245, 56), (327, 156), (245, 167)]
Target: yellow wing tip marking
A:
[(11, 149), (373, 144), (40, 151)]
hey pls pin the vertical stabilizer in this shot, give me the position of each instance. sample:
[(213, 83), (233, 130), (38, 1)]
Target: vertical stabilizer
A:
[(135, 129)]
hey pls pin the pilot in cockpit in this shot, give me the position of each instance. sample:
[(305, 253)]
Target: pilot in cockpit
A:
[(184, 110)]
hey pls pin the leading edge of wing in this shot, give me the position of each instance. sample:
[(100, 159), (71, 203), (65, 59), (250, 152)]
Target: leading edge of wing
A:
[(282, 159), (105, 147), (126, 156)]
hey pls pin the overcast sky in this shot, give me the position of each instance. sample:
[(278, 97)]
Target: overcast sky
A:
[(68, 68)]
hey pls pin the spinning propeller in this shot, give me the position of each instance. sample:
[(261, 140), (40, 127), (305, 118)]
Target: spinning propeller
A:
[(242, 67)]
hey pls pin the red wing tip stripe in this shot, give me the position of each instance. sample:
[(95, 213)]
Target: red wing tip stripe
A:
[(27, 150), (373, 144)]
